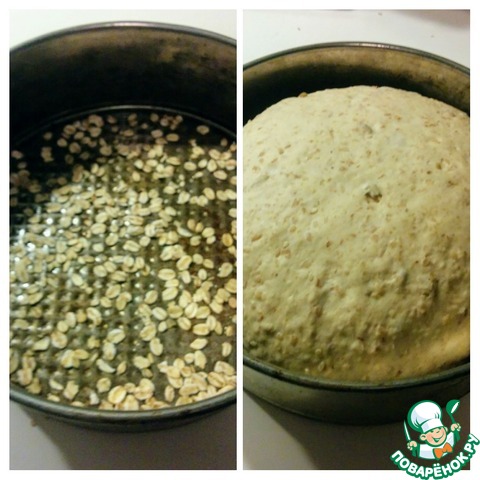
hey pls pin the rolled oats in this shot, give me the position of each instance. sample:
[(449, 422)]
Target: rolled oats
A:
[(88, 260)]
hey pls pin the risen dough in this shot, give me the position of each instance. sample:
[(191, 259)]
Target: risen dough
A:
[(356, 234)]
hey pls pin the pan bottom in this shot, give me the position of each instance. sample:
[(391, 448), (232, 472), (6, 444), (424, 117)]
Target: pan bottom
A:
[(122, 260)]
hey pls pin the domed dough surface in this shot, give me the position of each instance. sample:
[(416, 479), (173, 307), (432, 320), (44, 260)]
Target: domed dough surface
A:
[(356, 234)]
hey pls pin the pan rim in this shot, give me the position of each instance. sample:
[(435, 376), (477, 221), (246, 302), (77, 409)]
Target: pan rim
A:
[(358, 45), (290, 377), (123, 25)]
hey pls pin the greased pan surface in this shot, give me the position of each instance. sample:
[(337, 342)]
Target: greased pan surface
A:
[(134, 74)]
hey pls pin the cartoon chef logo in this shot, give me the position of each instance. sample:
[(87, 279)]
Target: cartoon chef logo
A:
[(436, 443), (436, 440)]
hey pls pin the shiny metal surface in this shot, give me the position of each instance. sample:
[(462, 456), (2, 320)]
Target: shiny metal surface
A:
[(336, 65), (123, 63)]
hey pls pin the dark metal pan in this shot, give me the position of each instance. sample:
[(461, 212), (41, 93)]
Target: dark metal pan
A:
[(334, 65), (115, 67)]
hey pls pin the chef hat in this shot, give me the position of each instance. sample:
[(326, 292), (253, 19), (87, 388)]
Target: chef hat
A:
[(424, 416)]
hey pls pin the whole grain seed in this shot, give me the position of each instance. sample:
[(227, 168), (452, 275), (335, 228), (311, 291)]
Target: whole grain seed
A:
[(148, 332), (145, 389), (183, 401), (113, 291), (208, 263), (122, 300), (223, 367), (62, 326), (139, 263), (175, 382), (42, 344), (104, 405), (116, 335), (201, 329), (103, 385), (162, 326), (172, 137), (144, 310), (231, 285), (184, 323), (93, 398), (141, 362), (174, 311), (203, 129), (199, 343), (35, 298), (81, 354), (189, 358), (179, 363), (58, 339), (94, 315), (218, 328), (172, 283), (188, 390), (156, 347), (98, 229), (191, 310), (195, 241), (81, 316), (69, 360), (185, 277), (54, 384), (227, 239), (226, 349), (211, 165), (220, 175), (216, 307), (121, 368), (225, 270), (200, 360), (71, 390), (70, 319), (109, 266), (169, 393), (129, 404), (211, 323), (151, 297), (101, 217), (100, 271), (202, 312), (144, 241), (98, 247), (216, 379), (112, 239), (132, 246), (103, 366), (119, 276), (229, 331), (108, 351), (169, 294), (159, 313), (117, 394)]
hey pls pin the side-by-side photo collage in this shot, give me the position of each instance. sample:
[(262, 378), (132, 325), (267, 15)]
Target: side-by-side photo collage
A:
[(240, 241)]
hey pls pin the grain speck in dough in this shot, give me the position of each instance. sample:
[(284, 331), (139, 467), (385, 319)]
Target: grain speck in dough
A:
[(356, 239)]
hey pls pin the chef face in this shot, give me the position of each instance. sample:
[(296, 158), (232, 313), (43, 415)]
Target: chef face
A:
[(435, 437)]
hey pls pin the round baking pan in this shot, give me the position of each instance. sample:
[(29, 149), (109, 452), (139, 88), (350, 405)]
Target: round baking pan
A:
[(135, 67), (335, 65)]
